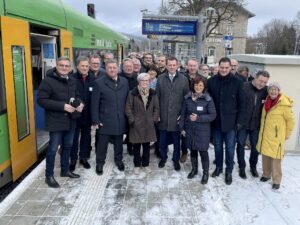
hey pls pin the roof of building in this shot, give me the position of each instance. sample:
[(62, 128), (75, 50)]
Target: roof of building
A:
[(268, 59)]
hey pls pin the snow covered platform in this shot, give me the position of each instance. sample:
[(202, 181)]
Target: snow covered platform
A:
[(159, 196)]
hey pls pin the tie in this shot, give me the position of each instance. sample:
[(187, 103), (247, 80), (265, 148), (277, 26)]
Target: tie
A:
[(171, 78)]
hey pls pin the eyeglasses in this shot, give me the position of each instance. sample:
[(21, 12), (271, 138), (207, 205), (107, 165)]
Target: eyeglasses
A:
[(145, 80), (95, 63), (65, 66)]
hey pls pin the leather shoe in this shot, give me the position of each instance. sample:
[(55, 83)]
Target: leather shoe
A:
[(228, 178), (242, 174), (51, 182), (275, 186), (161, 163), (217, 172), (183, 158), (192, 174), (121, 166), (264, 179), (254, 172), (204, 178), (72, 165), (177, 165), (99, 170), (85, 163), (70, 175)]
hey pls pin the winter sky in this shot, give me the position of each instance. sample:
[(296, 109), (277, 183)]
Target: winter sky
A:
[(125, 15)]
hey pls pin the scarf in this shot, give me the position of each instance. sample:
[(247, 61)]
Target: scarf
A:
[(271, 103), (144, 94), (196, 95)]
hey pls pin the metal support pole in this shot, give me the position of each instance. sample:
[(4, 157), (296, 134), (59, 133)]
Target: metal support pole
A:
[(199, 38), (296, 41)]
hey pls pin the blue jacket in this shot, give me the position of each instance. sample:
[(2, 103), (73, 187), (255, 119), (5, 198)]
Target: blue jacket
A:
[(197, 132)]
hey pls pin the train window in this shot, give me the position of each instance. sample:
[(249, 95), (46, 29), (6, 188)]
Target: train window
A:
[(67, 52), (19, 73)]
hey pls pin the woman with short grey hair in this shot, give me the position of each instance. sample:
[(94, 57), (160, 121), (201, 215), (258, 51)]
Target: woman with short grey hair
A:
[(142, 110), (277, 124)]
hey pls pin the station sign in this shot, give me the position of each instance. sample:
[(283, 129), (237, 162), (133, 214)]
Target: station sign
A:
[(228, 38), (169, 27)]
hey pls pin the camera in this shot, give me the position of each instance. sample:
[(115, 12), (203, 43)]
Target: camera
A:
[(74, 102)]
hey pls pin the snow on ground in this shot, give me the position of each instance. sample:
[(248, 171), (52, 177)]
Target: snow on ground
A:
[(159, 196)]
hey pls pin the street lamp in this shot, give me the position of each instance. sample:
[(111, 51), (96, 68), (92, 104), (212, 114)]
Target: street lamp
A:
[(200, 32)]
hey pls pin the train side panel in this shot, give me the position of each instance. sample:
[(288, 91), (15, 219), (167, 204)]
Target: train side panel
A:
[(19, 95)]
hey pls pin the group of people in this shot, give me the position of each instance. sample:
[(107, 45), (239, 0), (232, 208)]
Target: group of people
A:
[(164, 104)]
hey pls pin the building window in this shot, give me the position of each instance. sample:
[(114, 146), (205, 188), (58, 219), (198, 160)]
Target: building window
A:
[(230, 30), (211, 51)]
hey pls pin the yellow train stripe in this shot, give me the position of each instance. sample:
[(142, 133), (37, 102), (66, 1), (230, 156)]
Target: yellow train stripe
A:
[(4, 165)]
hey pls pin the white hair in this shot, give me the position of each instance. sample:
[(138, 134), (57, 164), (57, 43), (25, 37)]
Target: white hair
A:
[(141, 76)]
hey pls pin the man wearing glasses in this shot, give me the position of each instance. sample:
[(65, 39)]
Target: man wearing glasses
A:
[(204, 71), (95, 63), (59, 97)]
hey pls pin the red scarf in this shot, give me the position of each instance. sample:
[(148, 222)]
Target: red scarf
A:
[(271, 103)]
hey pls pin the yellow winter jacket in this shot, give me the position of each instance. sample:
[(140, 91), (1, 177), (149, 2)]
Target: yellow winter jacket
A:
[(276, 126)]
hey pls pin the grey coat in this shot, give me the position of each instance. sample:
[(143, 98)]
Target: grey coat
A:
[(171, 95), (108, 105), (141, 121), (197, 132)]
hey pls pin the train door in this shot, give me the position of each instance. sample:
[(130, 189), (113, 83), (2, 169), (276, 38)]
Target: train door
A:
[(19, 96), (66, 44), (43, 58), (5, 163)]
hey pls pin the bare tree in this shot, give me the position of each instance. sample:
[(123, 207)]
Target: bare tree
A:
[(278, 37), (223, 11)]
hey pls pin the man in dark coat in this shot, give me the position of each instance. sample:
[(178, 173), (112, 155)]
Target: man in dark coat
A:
[(84, 83), (255, 95), (146, 61), (171, 89), (161, 64), (95, 66), (131, 77), (234, 70), (59, 97), (129, 74), (227, 93), (108, 114)]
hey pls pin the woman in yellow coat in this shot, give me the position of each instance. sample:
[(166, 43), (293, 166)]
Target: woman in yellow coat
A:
[(277, 123)]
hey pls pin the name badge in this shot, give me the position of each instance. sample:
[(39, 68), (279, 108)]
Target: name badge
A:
[(199, 108), (90, 89)]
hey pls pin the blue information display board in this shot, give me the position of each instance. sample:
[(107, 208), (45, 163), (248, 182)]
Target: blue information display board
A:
[(169, 27)]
